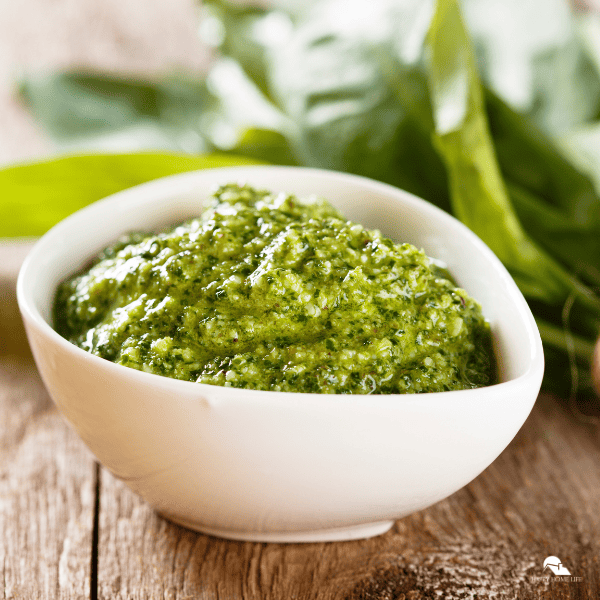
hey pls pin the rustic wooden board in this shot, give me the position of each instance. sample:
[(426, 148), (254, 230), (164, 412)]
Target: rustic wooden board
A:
[(46, 475), (489, 540)]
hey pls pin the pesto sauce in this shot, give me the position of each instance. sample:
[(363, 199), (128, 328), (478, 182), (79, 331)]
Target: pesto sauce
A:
[(265, 292)]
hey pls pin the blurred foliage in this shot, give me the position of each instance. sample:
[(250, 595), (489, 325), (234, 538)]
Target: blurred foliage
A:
[(37, 196), (89, 108), (487, 108)]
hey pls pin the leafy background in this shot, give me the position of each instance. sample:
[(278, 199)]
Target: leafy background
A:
[(488, 108)]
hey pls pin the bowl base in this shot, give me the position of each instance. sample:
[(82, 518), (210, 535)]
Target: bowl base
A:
[(355, 532)]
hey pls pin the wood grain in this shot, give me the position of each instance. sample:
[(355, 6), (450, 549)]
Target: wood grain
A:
[(46, 486), (489, 540)]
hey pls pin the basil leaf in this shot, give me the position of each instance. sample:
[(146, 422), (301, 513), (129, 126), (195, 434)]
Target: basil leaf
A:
[(533, 56), (582, 147), (338, 81), (556, 204), (574, 244), (265, 145), (84, 108), (478, 193), (36, 196), (531, 160), (234, 29)]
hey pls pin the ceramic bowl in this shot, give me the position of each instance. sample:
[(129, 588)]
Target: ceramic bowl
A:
[(273, 466)]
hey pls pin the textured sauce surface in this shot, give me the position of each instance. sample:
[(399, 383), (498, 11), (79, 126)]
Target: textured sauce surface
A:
[(263, 291)]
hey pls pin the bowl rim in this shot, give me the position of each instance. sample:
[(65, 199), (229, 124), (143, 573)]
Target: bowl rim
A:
[(31, 314)]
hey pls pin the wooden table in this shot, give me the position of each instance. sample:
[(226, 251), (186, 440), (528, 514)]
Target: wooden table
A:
[(68, 529)]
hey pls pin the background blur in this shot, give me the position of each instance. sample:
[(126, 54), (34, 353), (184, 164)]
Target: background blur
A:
[(131, 36), (489, 109)]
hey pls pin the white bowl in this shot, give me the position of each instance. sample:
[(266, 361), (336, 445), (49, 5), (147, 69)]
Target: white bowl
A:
[(273, 466)]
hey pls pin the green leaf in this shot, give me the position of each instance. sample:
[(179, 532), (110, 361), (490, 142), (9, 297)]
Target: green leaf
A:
[(265, 145), (330, 87), (582, 147), (248, 33), (480, 199), (574, 244), (532, 161), (588, 31), (86, 107), (556, 203), (567, 89), (235, 29), (478, 192), (351, 86), (532, 55), (240, 105), (36, 196)]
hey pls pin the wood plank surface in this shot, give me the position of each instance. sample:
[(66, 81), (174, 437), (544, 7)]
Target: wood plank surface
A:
[(489, 540), (46, 474)]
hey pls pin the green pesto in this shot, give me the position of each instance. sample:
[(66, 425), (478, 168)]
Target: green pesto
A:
[(265, 292)]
